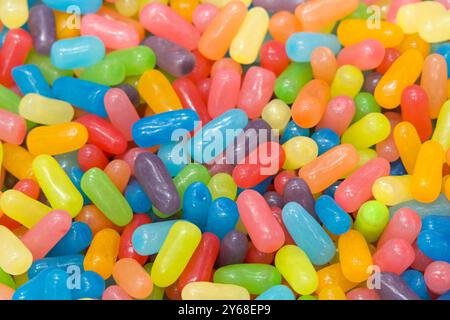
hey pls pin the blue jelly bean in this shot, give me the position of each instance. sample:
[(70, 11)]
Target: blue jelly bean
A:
[(300, 45), (217, 135), (197, 200), (223, 216), (278, 292), (164, 127), (326, 139), (136, 197), (62, 262), (415, 280), (75, 53), (90, 285), (444, 50), (331, 190), (436, 223), (77, 239), (86, 95), (174, 157), (30, 79), (397, 168), (308, 234), (75, 6), (435, 245), (293, 130), (148, 238), (67, 160), (333, 217)]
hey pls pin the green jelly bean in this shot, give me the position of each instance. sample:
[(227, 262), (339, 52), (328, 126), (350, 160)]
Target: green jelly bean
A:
[(105, 195), (372, 218), (365, 103), (7, 279), (222, 185), (307, 297), (136, 60), (292, 80), (360, 13), (255, 277), (109, 72), (50, 72)]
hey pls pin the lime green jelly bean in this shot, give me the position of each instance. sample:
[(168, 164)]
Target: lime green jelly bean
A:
[(292, 80), (371, 220), (136, 60), (109, 72), (222, 185), (368, 131), (365, 103)]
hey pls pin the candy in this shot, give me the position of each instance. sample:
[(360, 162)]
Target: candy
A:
[(78, 52)]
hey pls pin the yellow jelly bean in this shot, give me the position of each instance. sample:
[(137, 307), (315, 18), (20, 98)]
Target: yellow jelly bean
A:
[(56, 185), (408, 144), (14, 13), (245, 46), (222, 3), (414, 41), (332, 292), (222, 185), (277, 114), (175, 253), (214, 291), (20, 207), (427, 177), (43, 110), (347, 82), (102, 253), (296, 268), (127, 8), (57, 139), (299, 151), (403, 73), (411, 16), (332, 275), (354, 256), (15, 258), (392, 190), (17, 161), (436, 30), (158, 92), (368, 131), (442, 131)]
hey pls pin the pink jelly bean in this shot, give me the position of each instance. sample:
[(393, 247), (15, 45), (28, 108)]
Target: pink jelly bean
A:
[(405, 224), (437, 277), (338, 114), (164, 22), (6, 293), (365, 55), (362, 294), (191, 98), (121, 111), (387, 148), (396, 255), (421, 261), (357, 188), (115, 292), (203, 15), (45, 234), (204, 87), (114, 34), (395, 6), (12, 127), (224, 91), (263, 228), (257, 89)]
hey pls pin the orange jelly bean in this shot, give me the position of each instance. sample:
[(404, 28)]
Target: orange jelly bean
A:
[(354, 256)]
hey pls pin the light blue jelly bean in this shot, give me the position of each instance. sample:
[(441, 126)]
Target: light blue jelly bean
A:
[(223, 216), (30, 79), (293, 130), (75, 53), (77, 239), (136, 197), (434, 245), (440, 207), (174, 156), (279, 292), (300, 45), (444, 50), (75, 6), (326, 139), (75, 174), (217, 135), (308, 234), (415, 280), (50, 284), (436, 223), (86, 95), (62, 262), (197, 200), (164, 127), (148, 238), (91, 286), (333, 217)]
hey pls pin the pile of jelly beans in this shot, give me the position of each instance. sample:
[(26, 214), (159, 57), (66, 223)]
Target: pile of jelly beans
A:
[(350, 100)]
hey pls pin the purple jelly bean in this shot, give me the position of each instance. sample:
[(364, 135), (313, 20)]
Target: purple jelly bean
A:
[(170, 56), (274, 199), (233, 249), (42, 28), (297, 190), (371, 82), (278, 5), (392, 287), (157, 183), (131, 92)]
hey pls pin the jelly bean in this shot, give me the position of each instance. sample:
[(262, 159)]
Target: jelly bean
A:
[(12, 127), (354, 256), (137, 198), (326, 139), (92, 286), (126, 7), (78, 238), (441, 132), (387, 148), (434, 245), (362, 294), (282, 25), (368, 131), (437, 277), (392, 287), (190, 98), (311, 103), (202, 16), (85, 6), (405, 224), (395, 255), (119, 172), (337, 117), (126, 249), (233, 249), (30, 80), (273, 199), (214, 291), (365, 103), (332, 276), (196, 202), (348, 81), (297, 190), (107, 72), (366, 55), (333, 217), (14, 14), (164, 22), (277, 114), (371, 220), (174, 162), (222, 217), (331, 292), (15, 257), (105, 195), (148, 238), (264, 230), (303, 279), (29, 187), (17, 161), (115, 293), (415, 280), (278, 5), (42, 28), (308, 234), (90, 156), (193, 172), (6, 293), (392, 190), (279, 292), (77, 52), (51, 284), (61, 262), (50, 72), (291, 81), (132, 277), (408, 144), (224, 92), (415, 109), (301, 45), (436, 223), (42, 110), (273, 57), (434, 82), (136, 60)]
